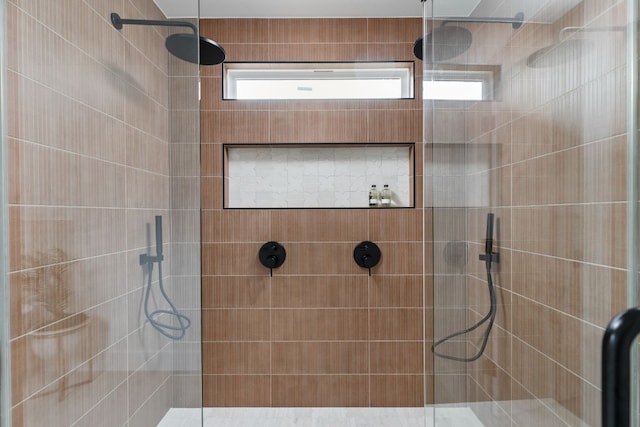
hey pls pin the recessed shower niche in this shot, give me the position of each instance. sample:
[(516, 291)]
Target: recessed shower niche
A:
[(317, 175)]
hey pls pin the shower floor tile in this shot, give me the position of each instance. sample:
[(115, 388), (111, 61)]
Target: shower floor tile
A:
[(321, 417)]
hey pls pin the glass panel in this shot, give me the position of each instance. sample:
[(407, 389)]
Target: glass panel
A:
[(454, 90), (548, 158), (5, 354), (184, 259), (102, 139), (633, 186), (461, 82), (428, 221)]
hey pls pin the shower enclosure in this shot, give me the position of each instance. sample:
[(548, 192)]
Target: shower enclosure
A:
[(100, 135), (550, 150), (522, 131)]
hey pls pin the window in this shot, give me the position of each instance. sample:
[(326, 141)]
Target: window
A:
[(306, 81), (454, 90), (459, 84)]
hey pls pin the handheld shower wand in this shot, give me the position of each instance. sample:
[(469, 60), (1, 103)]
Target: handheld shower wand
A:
[(488, 243), (174, 332), (159, 250), (488, 257)]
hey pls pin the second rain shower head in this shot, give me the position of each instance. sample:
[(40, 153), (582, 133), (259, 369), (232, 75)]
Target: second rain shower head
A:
[(183, 45), (559, 53), (446, 42), (566, 50)]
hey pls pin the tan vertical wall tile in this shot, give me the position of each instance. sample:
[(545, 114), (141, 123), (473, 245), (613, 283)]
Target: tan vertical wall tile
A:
[(397, 390), (237, 390), (320, 390), (303, 358), (318, 300)]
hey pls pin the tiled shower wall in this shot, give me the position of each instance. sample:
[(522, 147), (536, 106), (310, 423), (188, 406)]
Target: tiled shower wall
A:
[(555, 147), (320, 332), (90, 166)]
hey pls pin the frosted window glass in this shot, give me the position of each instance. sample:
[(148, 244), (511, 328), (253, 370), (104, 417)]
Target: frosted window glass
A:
[(453, 90), (319, 89)]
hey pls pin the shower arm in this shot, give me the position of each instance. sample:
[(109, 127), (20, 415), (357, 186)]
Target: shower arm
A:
[(119, 22), (516, 21)]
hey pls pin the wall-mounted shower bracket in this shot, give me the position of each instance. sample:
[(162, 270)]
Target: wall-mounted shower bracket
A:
[(493, 257), (148, 259), (489, 256)]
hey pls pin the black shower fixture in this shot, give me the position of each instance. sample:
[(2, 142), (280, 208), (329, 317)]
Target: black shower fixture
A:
[(182, 45), (489, 257), (566, 49), (559, 53), (168, 321), (453, 40), (367, 255), (272, 255)]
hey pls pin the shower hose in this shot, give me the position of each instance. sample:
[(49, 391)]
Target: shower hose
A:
[(490, 316), (174, 332)]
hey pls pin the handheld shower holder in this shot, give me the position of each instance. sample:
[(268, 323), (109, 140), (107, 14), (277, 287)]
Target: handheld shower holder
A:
[(492, 257), (148, 259), (489, 255)]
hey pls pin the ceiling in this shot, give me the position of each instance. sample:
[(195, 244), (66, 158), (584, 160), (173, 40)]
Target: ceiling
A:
[(307, 8), (534, 11)]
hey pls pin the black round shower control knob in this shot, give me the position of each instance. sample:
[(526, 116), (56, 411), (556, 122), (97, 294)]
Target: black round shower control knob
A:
[(368, 261), (272, 255), (367, 254), (271, 261)]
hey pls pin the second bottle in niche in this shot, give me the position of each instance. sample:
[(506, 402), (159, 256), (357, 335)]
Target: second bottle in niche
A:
[(379, 199), (385, 197)]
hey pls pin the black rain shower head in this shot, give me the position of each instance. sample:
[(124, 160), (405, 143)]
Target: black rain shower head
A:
[(566, 50), (182, 45), (451, 42), (446, 42)]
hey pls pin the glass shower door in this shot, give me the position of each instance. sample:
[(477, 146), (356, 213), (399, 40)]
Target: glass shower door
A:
[(542, 149), (5, 367), (101, 140)]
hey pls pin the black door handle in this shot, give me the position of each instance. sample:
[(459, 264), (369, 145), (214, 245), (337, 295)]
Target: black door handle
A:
[(616, 367)]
